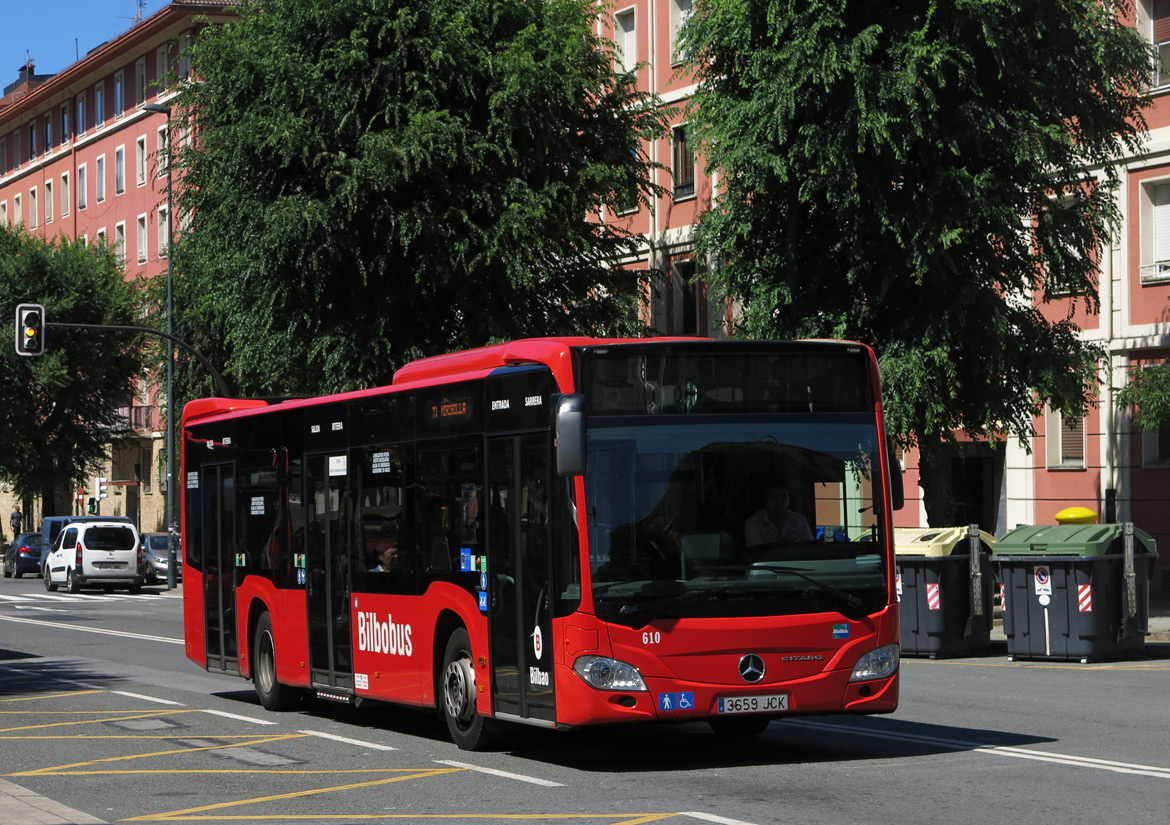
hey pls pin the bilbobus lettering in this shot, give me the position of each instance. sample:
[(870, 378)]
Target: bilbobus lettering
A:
[(376, 636)]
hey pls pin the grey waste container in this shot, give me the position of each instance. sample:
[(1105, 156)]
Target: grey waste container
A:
[(945, 591), (1075, 592)]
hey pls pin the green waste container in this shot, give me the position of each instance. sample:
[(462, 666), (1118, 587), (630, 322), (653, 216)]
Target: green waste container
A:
[(945, 590), (1075, 592)]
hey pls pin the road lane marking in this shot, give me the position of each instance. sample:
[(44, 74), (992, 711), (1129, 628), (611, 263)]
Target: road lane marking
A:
[(507, 775), (237, 717), (137, 715), (68, 770), (186, 812), (706, 817), (146, 698), (995, 750), (40, 697), (349, 741), (124, 634)]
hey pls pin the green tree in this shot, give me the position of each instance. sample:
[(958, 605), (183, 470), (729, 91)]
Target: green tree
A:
[(59, 411), (374, 180), (922, 176), (1147, 395)]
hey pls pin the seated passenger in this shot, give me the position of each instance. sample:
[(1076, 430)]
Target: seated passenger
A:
[(774, 524)]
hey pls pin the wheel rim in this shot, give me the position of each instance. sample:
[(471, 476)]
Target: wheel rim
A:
[(266, 663), (459, 690)]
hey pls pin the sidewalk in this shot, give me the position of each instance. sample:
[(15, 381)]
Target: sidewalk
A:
[(19, 806)]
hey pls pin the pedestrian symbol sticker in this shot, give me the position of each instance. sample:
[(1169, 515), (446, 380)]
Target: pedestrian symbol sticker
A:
[(676, 701)]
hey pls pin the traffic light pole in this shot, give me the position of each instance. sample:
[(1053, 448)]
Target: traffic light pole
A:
[(220, 386)]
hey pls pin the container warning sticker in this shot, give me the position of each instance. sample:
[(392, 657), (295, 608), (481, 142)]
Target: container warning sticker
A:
[(933, 599), (1085, 598), (1043, 581)]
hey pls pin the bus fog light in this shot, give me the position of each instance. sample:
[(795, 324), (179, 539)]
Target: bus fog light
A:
[(877, 664), (608, 674)]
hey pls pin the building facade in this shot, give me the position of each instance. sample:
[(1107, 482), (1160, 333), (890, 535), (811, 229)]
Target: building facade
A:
[(80, 157)]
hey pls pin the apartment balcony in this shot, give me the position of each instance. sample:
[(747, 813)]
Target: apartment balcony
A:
[(140, 419)]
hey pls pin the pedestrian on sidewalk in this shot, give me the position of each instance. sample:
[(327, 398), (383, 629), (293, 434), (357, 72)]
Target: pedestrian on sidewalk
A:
[(17, 520)]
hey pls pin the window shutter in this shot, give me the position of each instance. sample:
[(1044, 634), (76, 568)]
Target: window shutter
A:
[(1161, 20), (1161, 222), (1072, 440)]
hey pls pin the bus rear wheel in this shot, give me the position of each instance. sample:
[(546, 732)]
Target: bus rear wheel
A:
[(457, 692), (273, 695)]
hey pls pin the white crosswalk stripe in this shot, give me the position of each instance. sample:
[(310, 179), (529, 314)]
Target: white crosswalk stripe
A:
[(26, 598)]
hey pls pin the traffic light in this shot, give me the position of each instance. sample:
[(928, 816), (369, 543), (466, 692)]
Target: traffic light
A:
[(101, 488), (92, 505), (30, 329)]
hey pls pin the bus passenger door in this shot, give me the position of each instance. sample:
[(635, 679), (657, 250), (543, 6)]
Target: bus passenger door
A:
[(218, 489), (328, 541), (520, 586)]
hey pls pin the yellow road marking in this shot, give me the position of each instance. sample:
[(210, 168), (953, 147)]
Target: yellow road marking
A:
[(135, 715), (48, 696), (65, 768), (169, 816), (624, 819)]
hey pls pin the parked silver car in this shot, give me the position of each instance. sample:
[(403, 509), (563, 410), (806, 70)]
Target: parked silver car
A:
[(155, 558)]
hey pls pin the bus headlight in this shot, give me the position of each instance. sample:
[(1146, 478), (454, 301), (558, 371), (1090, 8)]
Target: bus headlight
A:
[(877, 664), (608, 674)]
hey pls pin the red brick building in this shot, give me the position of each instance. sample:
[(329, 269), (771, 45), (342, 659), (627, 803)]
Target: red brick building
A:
[(79, 157)]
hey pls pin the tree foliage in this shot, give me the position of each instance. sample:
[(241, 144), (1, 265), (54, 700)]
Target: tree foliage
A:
[(922, 176), (59, 411), (1147, 395), (374, 180)]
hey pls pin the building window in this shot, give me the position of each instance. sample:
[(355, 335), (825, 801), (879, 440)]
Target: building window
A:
[(48, 201), (680, 10), (120, 243), (32, 142), (140, 160), (683, 164), (184, 57), (48, 134), (140, 82), (164, 147), (3, 156), (162, 65), (625, 41), (17, 212), (82, 188), (99, 104), (32, 208), (3, 213), (1158, 12), (1154, 231), (100, 174), (16, 149), (146, 470), (1064, 440), (81, 114), (164, 229), (687, 294), (100, 236), (65, 199), (141, 239), (64, 124), (119, 94), (119, 170)]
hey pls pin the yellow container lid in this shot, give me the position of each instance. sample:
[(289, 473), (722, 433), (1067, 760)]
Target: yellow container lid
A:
[(935, 541), (1076, 515)]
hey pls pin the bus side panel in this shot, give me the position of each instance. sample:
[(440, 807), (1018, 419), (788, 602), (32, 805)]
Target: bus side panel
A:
[(287, 609), (194, 642), (391, 647)]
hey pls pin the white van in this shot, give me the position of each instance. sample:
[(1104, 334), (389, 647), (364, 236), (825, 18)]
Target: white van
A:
[(95, 553)]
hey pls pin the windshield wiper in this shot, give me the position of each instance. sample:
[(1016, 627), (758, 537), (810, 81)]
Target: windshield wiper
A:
[(850, 600)]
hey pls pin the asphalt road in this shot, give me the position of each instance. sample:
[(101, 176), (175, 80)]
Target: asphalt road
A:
[(102, 719)]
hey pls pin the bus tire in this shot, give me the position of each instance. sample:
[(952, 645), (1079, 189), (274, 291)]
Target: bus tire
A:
[(457, 694), (739, 727), (272, 694)]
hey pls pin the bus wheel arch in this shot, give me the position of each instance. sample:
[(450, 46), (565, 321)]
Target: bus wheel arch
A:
[(272, 694), (456, 692)]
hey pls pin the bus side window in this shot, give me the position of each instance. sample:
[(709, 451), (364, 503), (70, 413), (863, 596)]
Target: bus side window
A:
[(449, 488)]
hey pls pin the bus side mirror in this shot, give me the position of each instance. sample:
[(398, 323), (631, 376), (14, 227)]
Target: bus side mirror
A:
[(570, 435), (897, 492)]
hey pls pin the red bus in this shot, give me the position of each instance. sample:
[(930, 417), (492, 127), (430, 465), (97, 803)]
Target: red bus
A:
[(577, 534)]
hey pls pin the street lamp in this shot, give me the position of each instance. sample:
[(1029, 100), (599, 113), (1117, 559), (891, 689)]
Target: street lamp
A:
[(162, 108)]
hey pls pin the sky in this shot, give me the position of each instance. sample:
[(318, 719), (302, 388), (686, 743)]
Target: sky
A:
[(56, 33)]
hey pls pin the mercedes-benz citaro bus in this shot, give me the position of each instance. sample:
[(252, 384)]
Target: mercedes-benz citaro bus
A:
[(556, 532)]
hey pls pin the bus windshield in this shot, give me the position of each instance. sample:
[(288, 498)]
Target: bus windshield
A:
[(685, 518)]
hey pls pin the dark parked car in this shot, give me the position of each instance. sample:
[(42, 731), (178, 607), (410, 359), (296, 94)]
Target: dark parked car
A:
[(24, 555), (154, 558)]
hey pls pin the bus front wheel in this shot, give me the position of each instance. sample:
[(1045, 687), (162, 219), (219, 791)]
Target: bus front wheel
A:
[(273, 695), (468, 729)]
